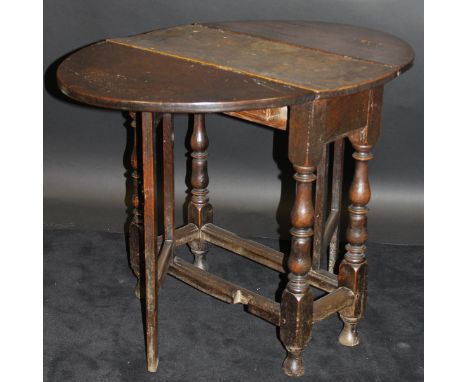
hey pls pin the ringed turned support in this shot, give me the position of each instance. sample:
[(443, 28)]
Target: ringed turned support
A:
[(353, 268), (200, 210), (297, 299)]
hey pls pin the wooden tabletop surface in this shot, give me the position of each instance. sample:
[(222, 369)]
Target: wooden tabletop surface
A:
[(232, 66)]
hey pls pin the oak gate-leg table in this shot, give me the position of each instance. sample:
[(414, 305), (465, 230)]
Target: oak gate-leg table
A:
[(320, 83)]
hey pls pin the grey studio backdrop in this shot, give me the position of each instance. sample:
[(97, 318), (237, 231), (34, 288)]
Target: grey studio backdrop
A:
[(250, 185)]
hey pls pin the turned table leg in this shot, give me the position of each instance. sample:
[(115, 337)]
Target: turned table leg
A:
[(150, 239), (297, 298), (353, 268), (200, 210)]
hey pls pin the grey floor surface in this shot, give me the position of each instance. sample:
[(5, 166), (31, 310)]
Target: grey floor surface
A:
[(93, 324)]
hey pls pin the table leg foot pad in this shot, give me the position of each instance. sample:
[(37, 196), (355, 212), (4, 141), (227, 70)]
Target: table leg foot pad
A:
[(293, 365), (349, 335)]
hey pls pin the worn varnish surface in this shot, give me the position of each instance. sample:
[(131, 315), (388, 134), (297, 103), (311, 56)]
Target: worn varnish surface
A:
[(341, 39), (310, 69), (118, 77), (320, 82), (232, 66)]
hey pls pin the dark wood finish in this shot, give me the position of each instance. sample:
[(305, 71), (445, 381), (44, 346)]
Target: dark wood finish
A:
[(321, 279), (311, 125), (224, 290), (167, 249), (340, 39), (150, 239), (328, 77), (118, 77), (353, 269), (164, 259), (267, 59), (200, 210), (337, 185), (135, 228), (262, 254), (256, 304), (331, 226), (183, 235), (168, 174), (275, 117), (321, 190), (247, 248), (332, 303), (160, 70), (297, 298)]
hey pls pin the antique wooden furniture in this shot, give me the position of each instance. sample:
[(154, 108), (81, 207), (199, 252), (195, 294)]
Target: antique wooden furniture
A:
[(321, 83)]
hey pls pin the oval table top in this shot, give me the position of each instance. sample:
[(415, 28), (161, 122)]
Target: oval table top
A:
[(232, 66)]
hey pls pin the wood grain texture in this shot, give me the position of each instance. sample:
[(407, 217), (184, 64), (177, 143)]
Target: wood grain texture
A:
[(337, 186), (135, 228), (310, 69), (315, 123), (200, 211), (274, 117), (340, 39), (353, 268), (164, 259), (328, 77), (243, 66), (150, 240), (264, 255), (332, 303), (118, 77), (321, 192), (297, 298), (168, 175), (225, 291)]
